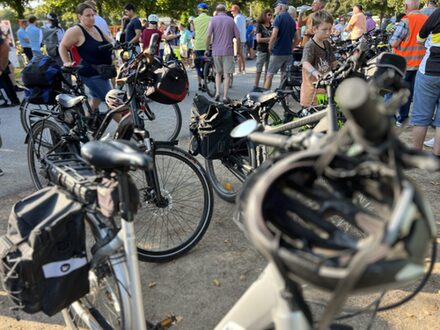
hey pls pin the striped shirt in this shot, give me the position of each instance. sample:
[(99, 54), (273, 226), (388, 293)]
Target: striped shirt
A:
[(430, 33)]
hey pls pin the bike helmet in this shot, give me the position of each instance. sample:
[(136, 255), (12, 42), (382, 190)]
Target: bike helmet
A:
[(202, 6), (309, 223), (115, 98), (153, 19)]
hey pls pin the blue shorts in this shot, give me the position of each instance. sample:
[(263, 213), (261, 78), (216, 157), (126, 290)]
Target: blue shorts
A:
[(426, 99), (97, 86)]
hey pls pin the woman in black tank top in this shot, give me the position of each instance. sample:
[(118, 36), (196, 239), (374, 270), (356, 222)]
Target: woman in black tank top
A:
[(87, 38)]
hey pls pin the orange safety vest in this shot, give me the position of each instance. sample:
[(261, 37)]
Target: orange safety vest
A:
[(409, 48)]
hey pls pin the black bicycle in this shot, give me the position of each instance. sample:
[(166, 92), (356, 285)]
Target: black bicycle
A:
[(209, 74), (176, 199)]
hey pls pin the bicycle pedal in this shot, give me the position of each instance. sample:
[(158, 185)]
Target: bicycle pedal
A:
[(164, 324)]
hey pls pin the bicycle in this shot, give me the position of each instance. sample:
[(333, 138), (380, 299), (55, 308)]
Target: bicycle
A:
[(176, 198), (289, 208)]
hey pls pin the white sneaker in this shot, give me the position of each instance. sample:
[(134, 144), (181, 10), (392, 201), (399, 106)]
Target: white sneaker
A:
[(429, 143)]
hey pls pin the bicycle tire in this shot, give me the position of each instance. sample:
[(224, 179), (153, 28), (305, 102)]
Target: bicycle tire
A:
[(227, 174), (36, 141), (107, 305), (31, 113), (209, 78), (169, 128), (189, 196), (291, 100)]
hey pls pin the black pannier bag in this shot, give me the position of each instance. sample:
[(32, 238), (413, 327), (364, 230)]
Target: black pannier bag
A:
[(42, 77), (43, 263), (170, 86), (210, 126)]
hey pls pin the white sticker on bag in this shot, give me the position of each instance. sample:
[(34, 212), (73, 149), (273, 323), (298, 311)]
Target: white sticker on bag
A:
[(63, 267)]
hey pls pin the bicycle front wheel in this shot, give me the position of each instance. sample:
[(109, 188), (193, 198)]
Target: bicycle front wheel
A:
[(169, 229), (107, 305), (166, 121), (46, 137), (209, 78)]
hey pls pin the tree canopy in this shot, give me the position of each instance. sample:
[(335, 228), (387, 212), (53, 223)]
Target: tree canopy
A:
[(182, 9)]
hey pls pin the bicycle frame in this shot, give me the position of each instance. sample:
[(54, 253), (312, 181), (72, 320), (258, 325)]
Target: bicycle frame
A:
[(262, 306)]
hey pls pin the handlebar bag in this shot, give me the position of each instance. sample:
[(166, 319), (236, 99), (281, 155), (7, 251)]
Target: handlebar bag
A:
[(170, 86), (210, 126), (43, 264)]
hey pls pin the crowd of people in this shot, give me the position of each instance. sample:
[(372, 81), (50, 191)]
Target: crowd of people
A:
[(231, 38)]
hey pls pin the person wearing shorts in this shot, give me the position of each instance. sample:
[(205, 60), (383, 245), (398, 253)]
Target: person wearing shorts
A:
[(222, 31), (281, 42), (264, 31), (427, 86)]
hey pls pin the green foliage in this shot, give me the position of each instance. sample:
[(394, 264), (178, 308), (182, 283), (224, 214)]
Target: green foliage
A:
[(18, 6)]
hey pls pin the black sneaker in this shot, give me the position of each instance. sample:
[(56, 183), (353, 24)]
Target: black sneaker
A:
[(1, 172), (15, 103), (217, 98), (5, 105)]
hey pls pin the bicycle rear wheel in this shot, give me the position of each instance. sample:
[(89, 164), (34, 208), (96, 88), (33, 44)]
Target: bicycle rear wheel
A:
[(209, 78), (46, 137), (107, 305), (31, 113), (228, 173), (169, 230)]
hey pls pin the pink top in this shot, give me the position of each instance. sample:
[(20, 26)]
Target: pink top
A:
[(223, 30)]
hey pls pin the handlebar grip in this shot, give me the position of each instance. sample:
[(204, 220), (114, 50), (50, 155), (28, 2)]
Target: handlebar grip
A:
[(362, 107), (273, 140)]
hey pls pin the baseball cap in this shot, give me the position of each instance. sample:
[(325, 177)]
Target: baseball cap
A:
[(202, 6), (52, 16), (281, 2)]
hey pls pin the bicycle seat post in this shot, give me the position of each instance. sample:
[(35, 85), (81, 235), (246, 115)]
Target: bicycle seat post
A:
[(332, 119)]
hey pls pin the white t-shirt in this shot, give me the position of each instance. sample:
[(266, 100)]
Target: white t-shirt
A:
[(102, 25), (240, 21)]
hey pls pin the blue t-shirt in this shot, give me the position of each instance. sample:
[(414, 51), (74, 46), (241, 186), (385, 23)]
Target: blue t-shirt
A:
[(249, 35), (22, 35), (286, 31), (130, 33)]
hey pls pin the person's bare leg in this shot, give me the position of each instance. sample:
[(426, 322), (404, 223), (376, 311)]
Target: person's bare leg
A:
[(218, 83), (94, 104), (12, 74), (436, 149), (226, 85), (268, 81), (257, 78), (419, 134)]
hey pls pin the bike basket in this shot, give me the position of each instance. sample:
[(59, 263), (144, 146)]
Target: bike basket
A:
[(211, 125), (170, 86), (43, 264)]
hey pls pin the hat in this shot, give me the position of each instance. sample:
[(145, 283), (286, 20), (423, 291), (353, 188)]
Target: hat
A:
[(368, 14), (235, 8), (281, 2), (202, 6)]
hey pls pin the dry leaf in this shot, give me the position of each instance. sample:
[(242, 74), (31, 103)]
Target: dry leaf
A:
[(179, 319), (152, 284), (435, 183), (242, 277), (216, 282)]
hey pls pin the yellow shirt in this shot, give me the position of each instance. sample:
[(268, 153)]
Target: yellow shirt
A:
[(357, 25), (201, 23)]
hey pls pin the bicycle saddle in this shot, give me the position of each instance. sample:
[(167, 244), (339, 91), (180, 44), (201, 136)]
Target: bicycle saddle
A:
[(262, 97), (67, 101), (117, 154)]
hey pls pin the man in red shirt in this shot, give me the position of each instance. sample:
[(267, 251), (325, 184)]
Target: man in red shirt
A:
[(150, 30)]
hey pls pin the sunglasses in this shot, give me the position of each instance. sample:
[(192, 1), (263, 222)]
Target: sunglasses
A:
[(269, 14)]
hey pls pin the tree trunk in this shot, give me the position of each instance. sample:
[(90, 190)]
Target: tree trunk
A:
[(18, 7)]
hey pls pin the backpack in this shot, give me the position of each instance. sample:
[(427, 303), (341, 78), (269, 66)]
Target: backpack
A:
[(43, 263), (50, 40), (42, 77)]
